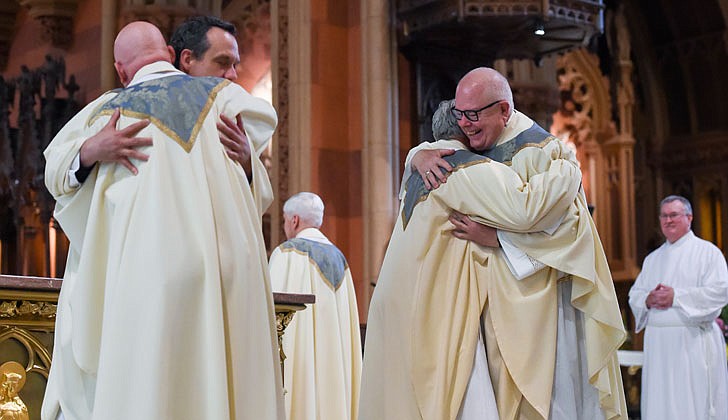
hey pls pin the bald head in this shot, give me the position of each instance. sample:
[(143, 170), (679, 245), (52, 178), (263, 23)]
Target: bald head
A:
[(483, 106), (139, 44), (487, 83)]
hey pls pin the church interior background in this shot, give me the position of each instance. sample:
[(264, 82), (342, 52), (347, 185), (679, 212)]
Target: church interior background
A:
[(636, 87)]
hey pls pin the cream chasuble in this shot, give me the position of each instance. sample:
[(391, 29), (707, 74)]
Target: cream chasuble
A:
[(588, 329), (322, 343), (684, 376), (424, 316), (166, 310)]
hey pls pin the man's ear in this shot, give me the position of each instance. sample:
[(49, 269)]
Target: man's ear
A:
[(121, 73), (295, 221), (185, 60), (172, 54), (505, 108)]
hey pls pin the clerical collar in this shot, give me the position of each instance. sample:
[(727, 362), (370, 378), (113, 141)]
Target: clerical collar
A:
[(682, 239), (313, 234), (516, 124), (153, 71)]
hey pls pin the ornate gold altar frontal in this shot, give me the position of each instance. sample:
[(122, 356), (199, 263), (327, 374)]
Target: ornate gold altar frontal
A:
[(27, 320)]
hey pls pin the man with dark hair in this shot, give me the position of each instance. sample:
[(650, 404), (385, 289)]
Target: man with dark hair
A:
[(206, 46)]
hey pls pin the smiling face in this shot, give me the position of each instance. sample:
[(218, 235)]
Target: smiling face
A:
[(219, 60), (476, 90), (674, 223)]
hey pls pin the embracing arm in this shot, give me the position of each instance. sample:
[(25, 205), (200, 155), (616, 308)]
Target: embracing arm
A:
[(470, 230), (425, 157), (112, 145), (75, 142), (237, 146), (431, 166), (495, 195), (519, 262), (257, 120)]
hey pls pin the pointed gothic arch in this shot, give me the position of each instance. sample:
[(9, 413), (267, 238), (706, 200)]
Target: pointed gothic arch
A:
[(605, 152)]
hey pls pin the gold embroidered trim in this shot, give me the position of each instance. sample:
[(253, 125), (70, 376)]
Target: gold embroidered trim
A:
[(425, 196), (540, 145), (186, 146)]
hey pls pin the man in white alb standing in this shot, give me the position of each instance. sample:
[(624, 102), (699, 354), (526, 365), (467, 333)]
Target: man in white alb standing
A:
[(676, 298)]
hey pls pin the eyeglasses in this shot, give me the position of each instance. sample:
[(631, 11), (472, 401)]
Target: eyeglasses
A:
[(471, 114), (670, 216)]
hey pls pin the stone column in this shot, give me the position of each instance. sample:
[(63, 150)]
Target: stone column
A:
[(291, 68), (380, 168), (621, 148), (604, 150), (109, 19)]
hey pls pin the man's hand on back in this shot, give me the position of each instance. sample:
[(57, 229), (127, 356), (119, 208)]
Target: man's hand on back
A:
[(428, 164), (112, 145), (233, 138), (466, 228)]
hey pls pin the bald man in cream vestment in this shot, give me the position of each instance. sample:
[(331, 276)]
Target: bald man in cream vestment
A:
[(424, 320), (166, 310)]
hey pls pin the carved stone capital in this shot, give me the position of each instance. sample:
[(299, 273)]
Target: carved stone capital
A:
[(56, 17)]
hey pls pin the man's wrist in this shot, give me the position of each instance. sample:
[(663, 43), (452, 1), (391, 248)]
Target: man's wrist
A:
[(78, 173), (83, 172), (85, 158)]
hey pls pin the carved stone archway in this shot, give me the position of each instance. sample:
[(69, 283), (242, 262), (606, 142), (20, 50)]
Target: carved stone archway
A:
[(605, 152)]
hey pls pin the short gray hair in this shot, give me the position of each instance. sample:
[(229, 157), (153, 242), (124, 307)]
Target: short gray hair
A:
[(683, 200), (444, 124), (307, 206), (502, 89)]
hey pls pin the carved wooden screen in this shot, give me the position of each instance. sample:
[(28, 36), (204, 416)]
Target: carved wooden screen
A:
[(32, 111)]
